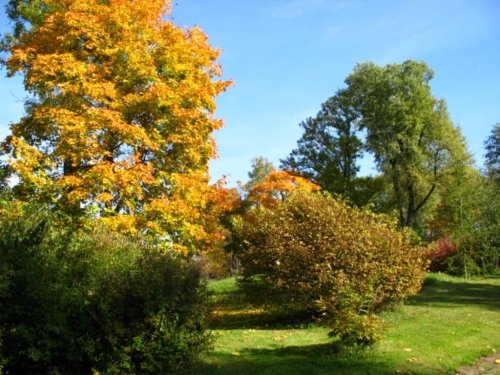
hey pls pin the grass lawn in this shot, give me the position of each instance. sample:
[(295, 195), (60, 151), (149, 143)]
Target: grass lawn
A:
[(449, 324)]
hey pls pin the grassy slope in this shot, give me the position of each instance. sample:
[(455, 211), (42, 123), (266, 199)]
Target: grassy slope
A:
[(448, 325)]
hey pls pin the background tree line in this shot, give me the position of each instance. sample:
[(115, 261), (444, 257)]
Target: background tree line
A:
[(426, 175)]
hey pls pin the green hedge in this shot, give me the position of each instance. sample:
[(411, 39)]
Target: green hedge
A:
[(79, 301)]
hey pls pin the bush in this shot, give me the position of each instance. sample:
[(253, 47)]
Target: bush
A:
[(323, 255), (75, 301), (477, 253), (439, 252)]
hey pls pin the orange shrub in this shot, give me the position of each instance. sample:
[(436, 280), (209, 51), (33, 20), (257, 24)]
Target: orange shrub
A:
[(326, 256)]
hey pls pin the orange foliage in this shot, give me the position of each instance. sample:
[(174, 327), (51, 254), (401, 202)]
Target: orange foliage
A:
[(276, 185), (223, 203), (123, 117)]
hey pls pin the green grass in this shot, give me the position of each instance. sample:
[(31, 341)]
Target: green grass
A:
[(449, 324)]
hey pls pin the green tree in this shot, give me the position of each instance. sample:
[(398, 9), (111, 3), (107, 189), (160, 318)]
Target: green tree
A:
[(492, 146), (260, 168), (5, 174), (26, 14), (329, 148), (409, 132), (471, 211)]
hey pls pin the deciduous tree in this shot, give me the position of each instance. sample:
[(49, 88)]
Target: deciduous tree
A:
[(408, 131), (261, 167), (328, 150), (121, 116), (275, 187)]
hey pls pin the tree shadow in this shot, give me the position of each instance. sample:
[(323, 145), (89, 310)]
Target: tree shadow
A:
[(450, 294), (298, 360), (261, 321), (258, 309), (255, 306)]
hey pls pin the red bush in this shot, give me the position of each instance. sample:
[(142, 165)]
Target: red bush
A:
[(438, 252)]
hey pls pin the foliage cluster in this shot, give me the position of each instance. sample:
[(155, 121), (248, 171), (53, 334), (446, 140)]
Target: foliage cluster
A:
[(275, 186), (492, 146), (76, 301), (438, 252), (470, 215), (328, 150), (120, 117), (215, 257), (389, 112), (323, 255)]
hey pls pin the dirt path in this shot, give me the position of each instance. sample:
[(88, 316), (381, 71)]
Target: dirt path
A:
[(483, 366)]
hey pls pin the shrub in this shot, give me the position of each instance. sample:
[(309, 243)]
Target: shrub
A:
[(439, 252), (323, 255), (76, 301), (477, 253)]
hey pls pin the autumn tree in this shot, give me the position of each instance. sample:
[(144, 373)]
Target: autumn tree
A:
[(217, 256), (276, 186), (408, 131), (120, 118), (328, 150)]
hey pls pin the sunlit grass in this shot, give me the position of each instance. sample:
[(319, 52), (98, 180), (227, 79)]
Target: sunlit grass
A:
[(449, 324)]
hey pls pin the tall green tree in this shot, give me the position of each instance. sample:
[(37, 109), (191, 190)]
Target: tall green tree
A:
[(408, 131), (329, 148), (492, 146), (260, 168)]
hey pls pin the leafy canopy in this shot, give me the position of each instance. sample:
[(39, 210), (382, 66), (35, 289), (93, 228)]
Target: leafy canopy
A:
[(492, 146), (328, 150), (121, 116), (408, 131)]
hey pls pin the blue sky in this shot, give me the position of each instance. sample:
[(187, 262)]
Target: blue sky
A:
[(286, 57)]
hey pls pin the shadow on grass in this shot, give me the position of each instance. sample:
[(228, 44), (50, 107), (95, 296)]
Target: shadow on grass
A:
[(297, 360), (245, 309), (255, 306), (259, 318), (451, 294)]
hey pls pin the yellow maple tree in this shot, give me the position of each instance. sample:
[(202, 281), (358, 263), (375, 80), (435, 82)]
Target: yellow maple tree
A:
[(121, 118)]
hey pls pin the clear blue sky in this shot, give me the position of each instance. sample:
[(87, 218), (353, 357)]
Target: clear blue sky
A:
[(286, 57)]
